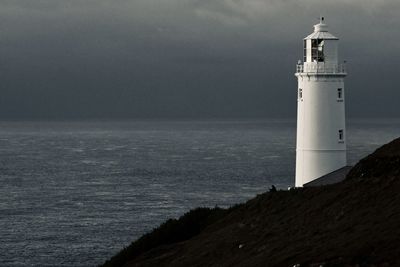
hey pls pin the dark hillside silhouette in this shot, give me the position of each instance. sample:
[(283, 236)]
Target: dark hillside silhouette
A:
[(352, 223)]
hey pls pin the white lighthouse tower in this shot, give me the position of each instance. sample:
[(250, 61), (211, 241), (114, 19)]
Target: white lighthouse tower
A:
[(321, 138)]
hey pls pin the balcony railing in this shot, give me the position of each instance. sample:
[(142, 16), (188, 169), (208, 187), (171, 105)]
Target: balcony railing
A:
[(321, 68)]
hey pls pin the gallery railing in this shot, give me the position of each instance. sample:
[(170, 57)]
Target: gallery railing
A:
[(321, 68)]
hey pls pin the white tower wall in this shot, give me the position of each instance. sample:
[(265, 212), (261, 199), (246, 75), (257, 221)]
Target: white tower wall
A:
[(321, 115), (321, 139)]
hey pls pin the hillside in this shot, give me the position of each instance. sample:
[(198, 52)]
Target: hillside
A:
[(352, 223)]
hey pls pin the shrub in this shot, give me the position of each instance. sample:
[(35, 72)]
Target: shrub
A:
[(172, 231)]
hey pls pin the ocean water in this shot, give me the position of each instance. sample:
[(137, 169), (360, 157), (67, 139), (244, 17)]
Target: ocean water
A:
[(75, 193)]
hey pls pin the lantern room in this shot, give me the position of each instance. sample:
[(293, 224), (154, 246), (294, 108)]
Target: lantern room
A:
[(321, 46)]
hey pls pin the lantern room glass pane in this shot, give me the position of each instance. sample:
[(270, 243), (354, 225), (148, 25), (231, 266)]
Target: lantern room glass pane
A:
[(317, 50)]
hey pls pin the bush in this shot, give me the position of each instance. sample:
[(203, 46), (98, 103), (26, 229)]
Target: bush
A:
[(172, 231)]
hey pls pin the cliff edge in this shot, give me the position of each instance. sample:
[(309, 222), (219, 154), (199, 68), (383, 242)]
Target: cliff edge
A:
[(351, 223)]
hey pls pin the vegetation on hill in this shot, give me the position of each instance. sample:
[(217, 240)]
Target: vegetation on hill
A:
[(170, 232), (352, 223)]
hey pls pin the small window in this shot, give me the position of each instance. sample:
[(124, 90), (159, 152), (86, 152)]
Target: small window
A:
[(341, 135), (340, 93), (300, 94)]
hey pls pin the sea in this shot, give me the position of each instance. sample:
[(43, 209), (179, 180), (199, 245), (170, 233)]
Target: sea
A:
[(75, 193)]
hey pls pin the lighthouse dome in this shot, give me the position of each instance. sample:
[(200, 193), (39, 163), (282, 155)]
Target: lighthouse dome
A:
[(320, 27), (321, 32)]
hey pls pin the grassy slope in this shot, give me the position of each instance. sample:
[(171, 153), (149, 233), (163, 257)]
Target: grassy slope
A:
[(171, 232), (356, 221)]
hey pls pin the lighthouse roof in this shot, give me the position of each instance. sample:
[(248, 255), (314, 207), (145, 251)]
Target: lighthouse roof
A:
[(321, 32)]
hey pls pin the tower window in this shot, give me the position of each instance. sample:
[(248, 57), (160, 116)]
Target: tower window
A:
[(340, 93), (305, 51), (300, 94), (341, 135)]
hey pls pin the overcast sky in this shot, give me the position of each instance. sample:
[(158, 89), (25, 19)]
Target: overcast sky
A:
[(69, 59)]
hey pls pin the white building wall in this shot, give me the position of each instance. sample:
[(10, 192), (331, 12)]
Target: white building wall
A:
[(320, 117)]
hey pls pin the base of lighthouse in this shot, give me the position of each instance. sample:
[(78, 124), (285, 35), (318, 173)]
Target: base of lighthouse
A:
[(313, 165)]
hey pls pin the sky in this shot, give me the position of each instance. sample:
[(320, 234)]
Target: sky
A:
[(120, 59)]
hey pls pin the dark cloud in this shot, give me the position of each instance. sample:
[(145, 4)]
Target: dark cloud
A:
[(186, 58)]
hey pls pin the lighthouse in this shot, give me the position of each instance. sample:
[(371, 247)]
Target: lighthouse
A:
[(321, 131)]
